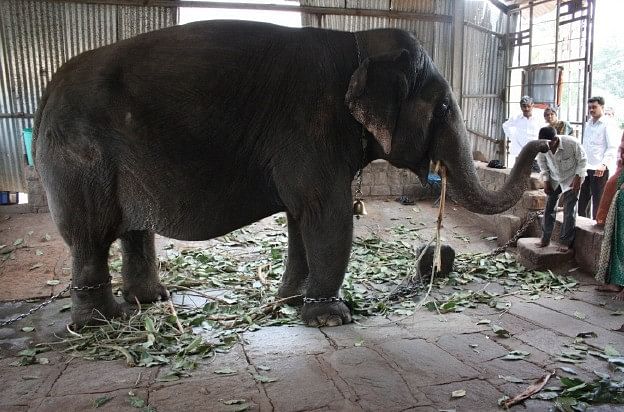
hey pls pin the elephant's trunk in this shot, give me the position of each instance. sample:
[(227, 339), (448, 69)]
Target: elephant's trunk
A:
[(467, 189)]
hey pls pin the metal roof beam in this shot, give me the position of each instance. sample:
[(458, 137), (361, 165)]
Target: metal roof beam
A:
[(268, 7)]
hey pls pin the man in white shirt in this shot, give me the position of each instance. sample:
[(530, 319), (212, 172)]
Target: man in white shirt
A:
[(522, 128), (600, 141), (562, 169)]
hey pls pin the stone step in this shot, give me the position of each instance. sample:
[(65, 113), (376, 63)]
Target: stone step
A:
[(549, 257), (587, 242)]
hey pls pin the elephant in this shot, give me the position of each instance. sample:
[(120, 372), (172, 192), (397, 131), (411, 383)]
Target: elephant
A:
[(196, 130)]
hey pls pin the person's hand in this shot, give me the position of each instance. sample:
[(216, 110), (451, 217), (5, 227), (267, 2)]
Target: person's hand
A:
[(547, 187), (576, 184), (600, 171)]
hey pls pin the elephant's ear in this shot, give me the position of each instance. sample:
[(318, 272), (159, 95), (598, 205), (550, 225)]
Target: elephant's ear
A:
[(376, 91)]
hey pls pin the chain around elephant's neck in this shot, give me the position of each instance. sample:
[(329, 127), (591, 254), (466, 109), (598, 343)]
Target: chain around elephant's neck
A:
[(358, 50), (364, 141)]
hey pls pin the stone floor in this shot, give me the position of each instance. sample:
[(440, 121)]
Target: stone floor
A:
[(413, 364)]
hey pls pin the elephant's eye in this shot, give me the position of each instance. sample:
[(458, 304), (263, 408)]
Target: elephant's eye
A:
[(443, 108)]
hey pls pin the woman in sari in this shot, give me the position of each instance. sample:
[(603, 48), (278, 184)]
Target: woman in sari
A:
[(561, 126), (611, 215)]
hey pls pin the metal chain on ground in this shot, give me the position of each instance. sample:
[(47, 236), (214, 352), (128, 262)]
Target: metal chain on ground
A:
[(36, 308), (531, 216), (53, 298)]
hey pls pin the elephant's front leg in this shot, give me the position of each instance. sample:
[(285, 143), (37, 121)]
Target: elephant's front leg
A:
[(327, 236), (139, 269), (296, 273)]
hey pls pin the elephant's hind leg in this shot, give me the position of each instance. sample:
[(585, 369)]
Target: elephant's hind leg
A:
[(92, 296), (82, 204), (139, 268), (296, 272)]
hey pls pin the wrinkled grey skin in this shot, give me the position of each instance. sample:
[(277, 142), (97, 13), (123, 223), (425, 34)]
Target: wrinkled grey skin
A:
[(196, 130)]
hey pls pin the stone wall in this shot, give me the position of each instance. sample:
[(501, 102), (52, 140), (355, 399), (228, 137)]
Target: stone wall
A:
[(37, 201), (381, 179)]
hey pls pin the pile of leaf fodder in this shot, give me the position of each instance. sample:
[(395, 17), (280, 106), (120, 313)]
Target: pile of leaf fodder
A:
[(230, 287), (501, 269)]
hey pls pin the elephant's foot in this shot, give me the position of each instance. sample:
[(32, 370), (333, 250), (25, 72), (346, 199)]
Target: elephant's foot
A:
[(95, 308), (148, 292), (325, 313)]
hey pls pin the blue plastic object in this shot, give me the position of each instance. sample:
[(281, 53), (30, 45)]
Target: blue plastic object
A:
[(434, 180), (27, 133)]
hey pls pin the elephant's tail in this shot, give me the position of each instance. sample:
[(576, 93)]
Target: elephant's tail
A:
[(37, 122)]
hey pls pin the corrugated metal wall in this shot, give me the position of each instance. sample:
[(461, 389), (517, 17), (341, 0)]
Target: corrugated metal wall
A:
[(36, 38), (483, 77), (435, 36)]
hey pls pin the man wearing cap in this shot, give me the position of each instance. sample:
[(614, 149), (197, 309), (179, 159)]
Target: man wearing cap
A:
[(522, 128), (600, 141), (562, 168)]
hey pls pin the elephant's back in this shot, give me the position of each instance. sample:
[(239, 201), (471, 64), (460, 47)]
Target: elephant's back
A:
[(219, 70)]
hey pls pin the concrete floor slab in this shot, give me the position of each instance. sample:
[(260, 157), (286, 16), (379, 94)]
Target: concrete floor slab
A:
[(287, 340), (123, 400), (565, 324), (305, 381), (471, 349), (83, 376), (480, 396), (374, 382), (424, 364), (513, 324), (523, 369), (584, 311), (217, 393), (427, 324), (22, 384)]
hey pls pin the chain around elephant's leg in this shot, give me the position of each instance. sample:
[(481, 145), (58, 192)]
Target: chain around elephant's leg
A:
[(92, 296)]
